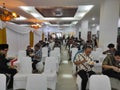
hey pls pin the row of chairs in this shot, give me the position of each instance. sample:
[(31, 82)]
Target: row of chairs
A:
[(25, 69), (34, 82), (50, 69)]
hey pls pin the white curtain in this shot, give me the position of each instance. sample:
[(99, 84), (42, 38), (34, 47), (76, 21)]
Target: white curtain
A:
[(17, 38), (37, 36)]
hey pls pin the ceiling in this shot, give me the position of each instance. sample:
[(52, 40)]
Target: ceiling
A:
[(54, 12)]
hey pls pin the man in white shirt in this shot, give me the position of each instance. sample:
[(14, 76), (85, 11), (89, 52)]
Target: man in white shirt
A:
[(84, 64)]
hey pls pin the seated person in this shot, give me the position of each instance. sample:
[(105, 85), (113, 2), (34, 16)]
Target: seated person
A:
[(36, 57), (29, 51), (111, 49), (4, 68), (84, 64), (111, 65)]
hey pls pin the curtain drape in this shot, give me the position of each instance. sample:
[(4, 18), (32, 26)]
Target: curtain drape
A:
[(3, 36), (31, 38)]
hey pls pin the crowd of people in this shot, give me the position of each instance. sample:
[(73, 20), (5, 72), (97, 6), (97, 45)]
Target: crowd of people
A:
[(83, 60)]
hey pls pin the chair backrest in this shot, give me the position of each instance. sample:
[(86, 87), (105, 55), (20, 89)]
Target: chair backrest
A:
[(36, 82), (44, 51), (74, 51), (99, 82), (2, 82), (26, 65), (50, 65), (22, 53)]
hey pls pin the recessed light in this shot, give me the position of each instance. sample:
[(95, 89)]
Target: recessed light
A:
[(93, 18)]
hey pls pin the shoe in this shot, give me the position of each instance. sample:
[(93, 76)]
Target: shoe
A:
[(35, 71)]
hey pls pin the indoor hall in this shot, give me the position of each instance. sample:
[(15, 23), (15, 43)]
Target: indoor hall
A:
[(60, 30)]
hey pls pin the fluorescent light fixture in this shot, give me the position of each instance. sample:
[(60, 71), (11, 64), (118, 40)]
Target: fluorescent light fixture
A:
[(67, 76), (20, 18)]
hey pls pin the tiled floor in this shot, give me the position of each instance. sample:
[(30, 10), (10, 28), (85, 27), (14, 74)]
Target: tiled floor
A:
[(66, 81)]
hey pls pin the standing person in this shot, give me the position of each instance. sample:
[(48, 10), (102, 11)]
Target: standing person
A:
[(37, 57), (111, 65), (4, 68), (84, 64)]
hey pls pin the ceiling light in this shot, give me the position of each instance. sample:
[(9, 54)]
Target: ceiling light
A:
[(20, 18), (93, 25), (93, 18), (35, 26), (58, 12), (7, 15)]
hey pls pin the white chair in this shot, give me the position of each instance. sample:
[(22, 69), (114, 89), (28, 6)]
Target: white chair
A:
[(20, 79), (99, 82), (74, 51), (44, 53), (50, 71), (2, 82), (40, 66), (36, 82), (55, 54), (79, 81), (115, 83)]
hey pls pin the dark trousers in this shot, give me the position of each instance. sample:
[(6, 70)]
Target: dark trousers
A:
[(85, 75), (112, 73), (34, 64), (10, 74)]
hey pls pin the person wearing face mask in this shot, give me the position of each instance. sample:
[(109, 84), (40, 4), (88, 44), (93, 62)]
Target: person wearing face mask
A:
[(111, 65)]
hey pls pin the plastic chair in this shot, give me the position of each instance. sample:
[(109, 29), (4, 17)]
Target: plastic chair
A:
[(36, 82), (2, 82), (99, 82)]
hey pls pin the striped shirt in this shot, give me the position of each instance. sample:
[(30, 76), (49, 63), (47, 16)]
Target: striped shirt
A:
[(85, 66)]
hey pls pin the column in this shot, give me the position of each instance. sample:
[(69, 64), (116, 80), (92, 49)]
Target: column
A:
[(109, 15), (84, 30)]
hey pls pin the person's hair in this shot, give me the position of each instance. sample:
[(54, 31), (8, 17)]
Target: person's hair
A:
[(111, 45), (4, 46), (117, 53), (37, 45), (85, 47)]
